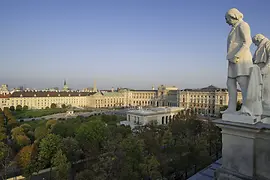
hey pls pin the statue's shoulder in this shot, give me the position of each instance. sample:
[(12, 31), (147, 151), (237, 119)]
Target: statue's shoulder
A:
[(267, 45), (243, 24)]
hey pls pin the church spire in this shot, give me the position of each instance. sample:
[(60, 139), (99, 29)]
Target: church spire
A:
[(65, 88)]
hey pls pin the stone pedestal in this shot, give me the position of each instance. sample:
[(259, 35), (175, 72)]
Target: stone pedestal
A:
[(245, 151), (241, 118)]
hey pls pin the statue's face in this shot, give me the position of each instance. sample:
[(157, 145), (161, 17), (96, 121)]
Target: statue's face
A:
[(256, 42), (231, 21)]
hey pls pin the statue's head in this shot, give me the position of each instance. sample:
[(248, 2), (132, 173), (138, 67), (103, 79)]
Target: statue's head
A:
[(257, 39), (233, 16)]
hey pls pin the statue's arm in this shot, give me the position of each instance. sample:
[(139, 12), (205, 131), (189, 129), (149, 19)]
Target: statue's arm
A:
[(246, 37), (265, 68), (268, 52)]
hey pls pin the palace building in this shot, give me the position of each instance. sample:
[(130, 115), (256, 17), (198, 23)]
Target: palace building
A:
[(93, 98), (206, 101)]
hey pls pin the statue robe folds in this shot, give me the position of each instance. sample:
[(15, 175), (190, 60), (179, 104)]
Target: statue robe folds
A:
[(253, 106), (238, 45), (262, 59)]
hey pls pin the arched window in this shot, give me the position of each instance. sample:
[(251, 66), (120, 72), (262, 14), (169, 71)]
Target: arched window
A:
[(162, 119)]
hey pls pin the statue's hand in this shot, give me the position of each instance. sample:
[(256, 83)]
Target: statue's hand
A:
[(236, 59)]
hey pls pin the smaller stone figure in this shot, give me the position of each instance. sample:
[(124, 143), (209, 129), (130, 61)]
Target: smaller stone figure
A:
[(262, 59), (253, 105)]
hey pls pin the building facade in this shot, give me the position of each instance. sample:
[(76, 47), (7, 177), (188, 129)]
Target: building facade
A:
[(163, 96), (43, 99), (158, 115), (206, 101)]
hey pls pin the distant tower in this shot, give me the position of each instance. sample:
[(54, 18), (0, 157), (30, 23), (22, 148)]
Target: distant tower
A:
[(112, 89), (95, 86), (65, 88), (153, 88)]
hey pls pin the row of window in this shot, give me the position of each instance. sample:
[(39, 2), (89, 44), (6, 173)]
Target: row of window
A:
[(143, 103), (98, 101), (204, 111), (144, 97)]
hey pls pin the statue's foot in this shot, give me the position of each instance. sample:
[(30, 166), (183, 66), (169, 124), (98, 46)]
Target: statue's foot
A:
[(244, 111), (228, 111)]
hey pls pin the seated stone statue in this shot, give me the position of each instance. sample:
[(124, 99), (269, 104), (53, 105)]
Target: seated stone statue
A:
[(262, 59)]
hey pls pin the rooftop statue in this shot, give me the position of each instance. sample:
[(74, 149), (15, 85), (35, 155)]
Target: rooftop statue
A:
[(262, 59), (239, 57)]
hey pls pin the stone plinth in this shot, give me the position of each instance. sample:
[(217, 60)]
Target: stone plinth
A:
[(245, 151), (241, 118)]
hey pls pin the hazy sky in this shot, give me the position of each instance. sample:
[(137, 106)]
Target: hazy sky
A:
[(120, 43)]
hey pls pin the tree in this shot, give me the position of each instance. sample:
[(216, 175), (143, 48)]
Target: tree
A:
[(238, 106), (11, 122), (48, 147), (22, 140), (40, 132), (64, 129), (63, 106), (19, 138), (26, 127), (50, 124), (25, 107), (6, 111), (18, 108), (3, 135), (16, 132), (91, 135), (5, 162), (72, 149), (85, 175), (53, 106), (62, 165), (2, 120), (132, 157), (12, 108), (23, 158), (222, 108), (32, 166), (150, 168)]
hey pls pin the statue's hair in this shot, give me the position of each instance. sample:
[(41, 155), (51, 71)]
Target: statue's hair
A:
[(258, 37), (235, 14)]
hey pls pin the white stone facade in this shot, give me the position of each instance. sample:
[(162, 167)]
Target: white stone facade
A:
[(159, 116)]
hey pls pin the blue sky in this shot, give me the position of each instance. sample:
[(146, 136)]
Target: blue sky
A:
[(120, 43)]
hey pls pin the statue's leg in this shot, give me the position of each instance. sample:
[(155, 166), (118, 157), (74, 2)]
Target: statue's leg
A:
[(232, 89), (266, 92), (243, 82)]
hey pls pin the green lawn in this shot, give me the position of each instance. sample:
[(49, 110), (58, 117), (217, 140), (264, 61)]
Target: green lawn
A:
[(37, 113)]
